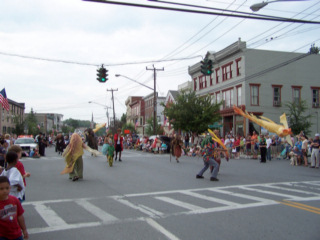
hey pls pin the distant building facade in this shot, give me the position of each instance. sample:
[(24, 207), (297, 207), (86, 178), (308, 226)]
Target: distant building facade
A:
[(49, 122), (260, 82), (8, 119)]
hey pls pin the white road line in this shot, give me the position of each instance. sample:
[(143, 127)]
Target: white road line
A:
[(138, 207), (212, 199), (313, 183), (161, 229), (49, 216), (271, 193), (98, 212), (292, 190), (180, 203), (242, 195)]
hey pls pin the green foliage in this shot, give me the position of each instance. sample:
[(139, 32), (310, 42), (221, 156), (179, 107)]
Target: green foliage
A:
[(314, 49), (19, 129), (191, 113), (149, 128), (66, 129), (128, 126), (31, 123), (299, 120), (123, 119)]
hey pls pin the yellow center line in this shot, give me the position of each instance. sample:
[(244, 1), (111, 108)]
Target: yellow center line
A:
[(301, 206)]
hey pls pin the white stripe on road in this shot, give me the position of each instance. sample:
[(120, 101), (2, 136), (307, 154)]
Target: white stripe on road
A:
[(271, 193), (180, 203), (242, 195), (292, 190), (161, 229), (139, 207), (212, 199), (49, 216), (98, 212)]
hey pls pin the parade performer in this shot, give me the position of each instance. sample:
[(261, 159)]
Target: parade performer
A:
[(268, 124), (177, 147), (208, 153), (73, 157), (91, 139), (118, 144)]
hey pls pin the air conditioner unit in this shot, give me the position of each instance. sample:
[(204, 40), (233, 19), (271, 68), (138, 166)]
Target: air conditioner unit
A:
[(276, 103)]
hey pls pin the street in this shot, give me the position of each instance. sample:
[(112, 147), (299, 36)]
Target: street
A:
[(148, 197)]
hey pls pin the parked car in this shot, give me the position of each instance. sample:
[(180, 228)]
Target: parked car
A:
[(26, 143), (165, 139)]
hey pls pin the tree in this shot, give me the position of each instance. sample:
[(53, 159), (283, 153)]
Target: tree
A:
[(31, 123), (299, 120), (149, 128), (123, 119), (191, 113), (314, 49), (19, 129), (129, 126)]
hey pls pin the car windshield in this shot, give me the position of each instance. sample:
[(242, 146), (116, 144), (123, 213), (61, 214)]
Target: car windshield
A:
[(24, 140)]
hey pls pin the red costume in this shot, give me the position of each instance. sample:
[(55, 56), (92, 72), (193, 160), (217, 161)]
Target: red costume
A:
[(116, 141)]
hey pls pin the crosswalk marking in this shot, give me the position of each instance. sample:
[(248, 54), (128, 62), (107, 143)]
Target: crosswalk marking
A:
[(212, 199), (269, 192), (49, 216), (98, 212), (178, 203), (241, 195), (56, 223), (292, 190)]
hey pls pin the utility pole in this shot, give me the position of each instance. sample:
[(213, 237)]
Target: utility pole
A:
[(154, 96), (114, 116)]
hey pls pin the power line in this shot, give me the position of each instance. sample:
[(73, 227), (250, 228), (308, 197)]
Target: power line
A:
[(270, 18)]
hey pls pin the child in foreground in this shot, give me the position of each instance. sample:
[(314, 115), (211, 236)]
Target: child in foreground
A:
[(11, 212), (14, 176)]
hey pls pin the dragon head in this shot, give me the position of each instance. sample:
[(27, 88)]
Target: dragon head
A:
[(287, 131)]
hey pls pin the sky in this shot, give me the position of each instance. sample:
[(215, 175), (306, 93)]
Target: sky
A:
[(50, 50)]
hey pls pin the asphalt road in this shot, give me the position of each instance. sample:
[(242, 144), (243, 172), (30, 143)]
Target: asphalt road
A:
[(148, 197)]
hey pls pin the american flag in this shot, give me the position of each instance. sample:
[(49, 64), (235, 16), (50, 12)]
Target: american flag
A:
[(4, 100)]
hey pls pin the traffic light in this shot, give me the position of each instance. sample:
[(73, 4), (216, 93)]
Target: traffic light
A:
[(206, 67), (102, 74)]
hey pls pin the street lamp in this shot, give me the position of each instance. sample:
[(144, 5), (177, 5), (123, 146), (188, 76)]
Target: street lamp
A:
[(119, 75), (154, 99), (256, 7), (105, 107)]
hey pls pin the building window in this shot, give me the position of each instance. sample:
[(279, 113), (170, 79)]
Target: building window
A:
[(211, 83), (227, 98), (217, 75), (239, 89), (315, 97), (218, 98), (238, 66), (276, 95), (296, 94), (201, 82), (254, 94), (226, 71)]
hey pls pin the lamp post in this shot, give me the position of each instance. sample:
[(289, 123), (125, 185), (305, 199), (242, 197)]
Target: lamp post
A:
[(154, 100), (105, 107), (256, 7)]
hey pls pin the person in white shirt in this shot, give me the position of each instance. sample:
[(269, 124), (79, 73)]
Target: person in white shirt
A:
[(14, 176), (269, 141)]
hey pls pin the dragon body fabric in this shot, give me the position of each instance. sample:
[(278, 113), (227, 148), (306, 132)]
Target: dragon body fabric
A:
[(268, 124)]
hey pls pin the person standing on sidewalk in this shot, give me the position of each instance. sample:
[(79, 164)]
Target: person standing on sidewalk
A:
[(263, 148), (315, 151)]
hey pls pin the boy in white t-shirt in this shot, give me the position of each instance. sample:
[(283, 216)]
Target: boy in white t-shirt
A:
[(14, 176)]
